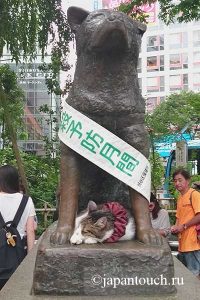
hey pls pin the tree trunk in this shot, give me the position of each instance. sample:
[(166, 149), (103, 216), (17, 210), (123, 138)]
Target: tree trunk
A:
[(13, 138)]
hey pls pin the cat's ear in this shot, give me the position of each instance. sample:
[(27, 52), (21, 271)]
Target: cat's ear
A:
[(75, 16), (101, 222), (91, 206)]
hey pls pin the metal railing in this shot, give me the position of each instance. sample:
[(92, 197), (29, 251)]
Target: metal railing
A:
[(47, 211)]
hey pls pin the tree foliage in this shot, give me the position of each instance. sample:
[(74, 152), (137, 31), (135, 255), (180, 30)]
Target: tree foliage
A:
[(36, 27), (170, 10), (157, 171), (27, 26), (182, 11), (172, 115), (178, 113), (11, 113), (10, 88), (134, 10)]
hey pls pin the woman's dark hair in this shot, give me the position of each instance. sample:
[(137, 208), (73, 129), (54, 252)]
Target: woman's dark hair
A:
[(9, 179), (157, 207), (183, 172)]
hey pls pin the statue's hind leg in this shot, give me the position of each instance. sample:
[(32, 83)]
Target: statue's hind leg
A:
[(136, 136)]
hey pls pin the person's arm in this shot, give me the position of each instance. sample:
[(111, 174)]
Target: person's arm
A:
[(30, 231), (164, 226), (194, 221), (174, 228), (180, 228)]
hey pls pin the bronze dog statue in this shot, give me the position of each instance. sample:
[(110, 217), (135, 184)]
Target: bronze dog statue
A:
[(105, 89)]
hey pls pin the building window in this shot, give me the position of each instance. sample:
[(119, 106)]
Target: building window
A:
[(155, 84), (196, 59), (96, 4), (178, 61), (196, 38), (178, 82), (155, 43), (196, 81), (155, 63), (162, 83), (178, 40)]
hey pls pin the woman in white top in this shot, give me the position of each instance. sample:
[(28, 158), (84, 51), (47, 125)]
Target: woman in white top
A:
[(10, 198), (159, 217)]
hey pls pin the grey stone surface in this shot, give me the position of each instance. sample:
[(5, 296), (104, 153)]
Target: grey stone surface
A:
[(20, 284), (123, 268)]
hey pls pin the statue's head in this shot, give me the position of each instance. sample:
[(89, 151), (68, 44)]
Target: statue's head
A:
[(105, 31)]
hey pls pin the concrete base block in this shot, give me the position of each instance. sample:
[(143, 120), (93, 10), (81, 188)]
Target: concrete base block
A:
[(20, 284), (123, 268)]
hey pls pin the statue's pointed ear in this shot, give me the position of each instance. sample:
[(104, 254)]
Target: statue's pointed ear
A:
[(141, 28), (76, 16)]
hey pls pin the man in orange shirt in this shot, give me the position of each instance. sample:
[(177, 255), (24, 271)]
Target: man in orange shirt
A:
[(187, 216)]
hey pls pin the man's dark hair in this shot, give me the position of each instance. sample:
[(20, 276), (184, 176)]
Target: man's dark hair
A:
[(157, 207), (9, 179), (183, 172)]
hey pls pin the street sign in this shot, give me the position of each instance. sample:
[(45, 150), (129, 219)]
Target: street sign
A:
[(181, 153)]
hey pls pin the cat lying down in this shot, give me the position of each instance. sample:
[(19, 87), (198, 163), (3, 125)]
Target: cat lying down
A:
[(109, 222)]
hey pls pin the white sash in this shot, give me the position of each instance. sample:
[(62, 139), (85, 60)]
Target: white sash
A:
[(105, 150)]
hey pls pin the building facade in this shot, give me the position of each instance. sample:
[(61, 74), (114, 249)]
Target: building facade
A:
[(169, 60), (32, 80), (37, 123)]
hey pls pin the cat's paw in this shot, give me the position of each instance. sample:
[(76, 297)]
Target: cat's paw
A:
[(76, 240), (90, 241)]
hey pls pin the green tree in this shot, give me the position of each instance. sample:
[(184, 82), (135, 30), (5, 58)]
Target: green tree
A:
[(178, 112), (172, 115), (170, 10), (157, 171), (28, 27), (11, 113)]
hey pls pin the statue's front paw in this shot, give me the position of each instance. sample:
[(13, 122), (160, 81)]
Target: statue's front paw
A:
[(150, 237), (61, 235)]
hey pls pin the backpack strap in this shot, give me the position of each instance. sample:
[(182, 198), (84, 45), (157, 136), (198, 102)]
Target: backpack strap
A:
[(191, 197), (2, 222), (20, 210), (18, 214)]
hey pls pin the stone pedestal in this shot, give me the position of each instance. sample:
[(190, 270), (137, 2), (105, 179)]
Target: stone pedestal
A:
[(123, 268)]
